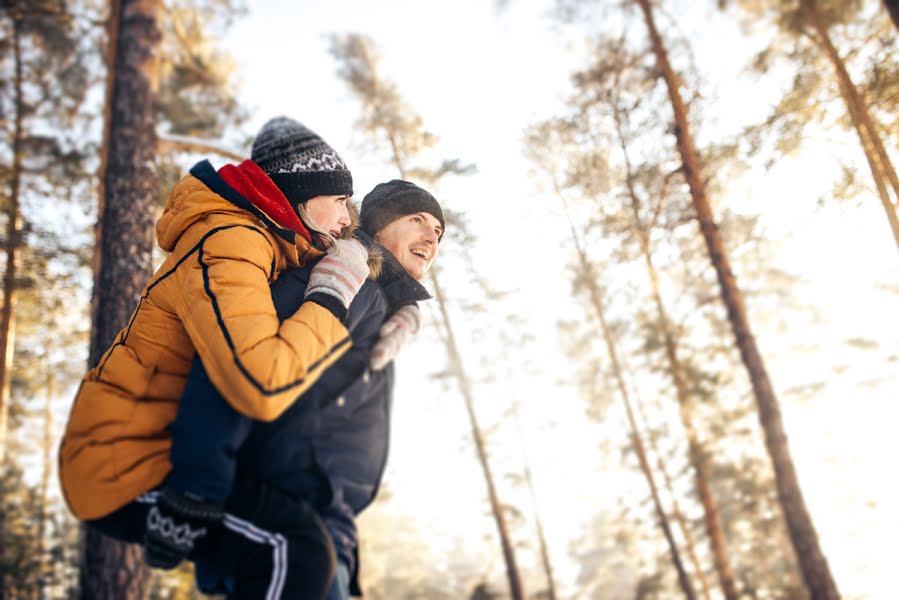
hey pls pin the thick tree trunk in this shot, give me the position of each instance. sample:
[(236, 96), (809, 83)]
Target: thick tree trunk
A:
[(112, 570), (812, 561), (683, 578), (516, 589), (879, 161), (13, 227), (711, 513)]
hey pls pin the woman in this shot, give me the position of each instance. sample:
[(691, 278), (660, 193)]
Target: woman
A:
[(230, 233)]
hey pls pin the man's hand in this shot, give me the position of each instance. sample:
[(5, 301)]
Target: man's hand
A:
[(177, 524), (395, 333), (341, 272)]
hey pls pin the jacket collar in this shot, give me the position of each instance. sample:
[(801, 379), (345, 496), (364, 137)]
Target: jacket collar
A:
[(304, 251)]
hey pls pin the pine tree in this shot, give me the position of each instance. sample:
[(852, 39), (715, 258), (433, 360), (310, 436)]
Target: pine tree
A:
[(814, 565), (112, 569)]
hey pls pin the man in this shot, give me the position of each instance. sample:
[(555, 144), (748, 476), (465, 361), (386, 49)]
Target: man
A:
[(329, 449)]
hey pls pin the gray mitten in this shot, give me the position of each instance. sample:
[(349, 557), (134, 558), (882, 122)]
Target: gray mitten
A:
[(394, 334), (341, 272)]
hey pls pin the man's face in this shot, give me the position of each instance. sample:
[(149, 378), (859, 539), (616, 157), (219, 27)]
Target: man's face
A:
[(412, 239)]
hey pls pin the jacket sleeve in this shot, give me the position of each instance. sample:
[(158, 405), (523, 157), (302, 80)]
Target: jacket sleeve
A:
[(258, 364)]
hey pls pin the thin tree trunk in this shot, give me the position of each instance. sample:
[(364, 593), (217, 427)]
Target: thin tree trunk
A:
[(812, 561), (516, 588), (48, 449), (878, 160), (636, 439), (541, 536), (13, 226), (110, 569), (180, 143), (892, 7), (513, 574), (711, 513), (676, 511)]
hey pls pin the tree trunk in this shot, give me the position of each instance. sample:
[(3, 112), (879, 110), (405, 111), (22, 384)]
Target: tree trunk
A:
[(812, 561), (516, 589), (878, 160), (13, 226), (636, 439), (110, 569), (711, 513), (683, 579), (541, 536), (676, 511), (48, 451), (892, 7)]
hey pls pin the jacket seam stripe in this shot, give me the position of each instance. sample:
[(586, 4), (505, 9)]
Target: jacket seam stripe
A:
[(218, 315)]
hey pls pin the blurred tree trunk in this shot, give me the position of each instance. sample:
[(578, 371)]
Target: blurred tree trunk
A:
[(49, 453), (541, 535), (878, 160), (516, 588), (892, 7), (812, 561), (387, 115), (11, 243), (710, 510), (676, 511), (636, 439), (110, 569)]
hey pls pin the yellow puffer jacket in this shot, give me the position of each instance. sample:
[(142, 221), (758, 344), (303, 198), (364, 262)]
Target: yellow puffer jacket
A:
[(210, 296)]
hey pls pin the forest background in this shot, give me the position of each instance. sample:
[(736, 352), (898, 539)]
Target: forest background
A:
[(663, 252)]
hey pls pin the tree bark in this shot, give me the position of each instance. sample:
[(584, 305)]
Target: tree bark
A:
[(11, 250), (879, 161), (683, 579), (711, 514), (813, 563), (110, 569)]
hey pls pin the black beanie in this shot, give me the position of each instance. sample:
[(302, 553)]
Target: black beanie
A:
[(300, 163), (389, 201)]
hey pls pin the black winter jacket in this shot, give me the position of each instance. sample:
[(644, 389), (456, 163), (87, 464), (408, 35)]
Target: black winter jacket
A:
[(330, 447)]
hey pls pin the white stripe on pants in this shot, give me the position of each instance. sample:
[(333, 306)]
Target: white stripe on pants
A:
[(254, 534)]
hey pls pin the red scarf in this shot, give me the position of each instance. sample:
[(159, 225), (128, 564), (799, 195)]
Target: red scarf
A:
[(251, 182)]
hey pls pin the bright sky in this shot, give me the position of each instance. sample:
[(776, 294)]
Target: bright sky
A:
[(478, 77)]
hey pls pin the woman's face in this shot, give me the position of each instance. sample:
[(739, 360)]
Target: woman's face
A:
[(329, 213)]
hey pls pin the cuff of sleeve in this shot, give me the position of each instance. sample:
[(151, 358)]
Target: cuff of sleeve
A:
[(330, 302)]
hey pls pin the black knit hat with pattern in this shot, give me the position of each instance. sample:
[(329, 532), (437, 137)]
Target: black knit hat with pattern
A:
[(300, 163), (389, 201)]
